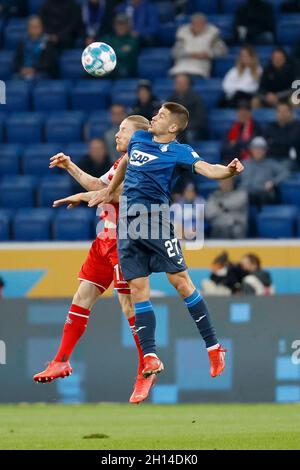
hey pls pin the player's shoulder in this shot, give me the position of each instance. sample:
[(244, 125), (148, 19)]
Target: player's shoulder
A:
[(186, 149), (141, 135)]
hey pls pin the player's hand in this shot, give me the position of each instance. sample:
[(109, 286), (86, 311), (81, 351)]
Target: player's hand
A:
[(72, 201), (235, 167), (101, 197), (60, 160)]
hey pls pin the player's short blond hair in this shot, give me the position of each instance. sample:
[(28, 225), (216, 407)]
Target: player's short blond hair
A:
[(140, 122)]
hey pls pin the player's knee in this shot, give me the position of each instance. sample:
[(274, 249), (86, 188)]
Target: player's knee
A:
[(183, 284)]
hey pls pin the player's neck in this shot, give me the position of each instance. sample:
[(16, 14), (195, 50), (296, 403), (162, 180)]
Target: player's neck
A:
[(164, 139)]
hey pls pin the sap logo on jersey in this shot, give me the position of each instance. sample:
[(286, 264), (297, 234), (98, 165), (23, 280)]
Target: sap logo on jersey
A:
[(138, 158)]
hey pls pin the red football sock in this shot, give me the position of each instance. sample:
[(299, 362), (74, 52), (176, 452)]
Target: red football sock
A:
[(131, 322), (74, 328)]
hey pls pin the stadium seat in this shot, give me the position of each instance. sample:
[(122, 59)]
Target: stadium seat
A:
[(97, 125), (230, 6), (34, 6), (65, 127), (5, 219), (51, 95), (220, 121), (23, 128), (6, 65), (12, 151), (205, 188), (167, 34), (73, 225), (76, 150), (14, 32), (163, 88), (166, 11), (17, 96), (154, 62), (204, 6), (277, 222), (91, 95), (17, 192), (224, 23), (290, 192), (264, 115), (32, 225), (53, 188), (36, 159), (125, 91), (288, 28), (210, 91), (9, 166), (2, 120), (222, 65), (209, 150), (70, 64)]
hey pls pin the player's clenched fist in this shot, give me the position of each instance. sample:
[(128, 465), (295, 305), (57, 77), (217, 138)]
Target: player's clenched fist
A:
[(235, 167), (60, 160)]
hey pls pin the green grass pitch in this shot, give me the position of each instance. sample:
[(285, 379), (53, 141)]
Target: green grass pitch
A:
[(179, 427)]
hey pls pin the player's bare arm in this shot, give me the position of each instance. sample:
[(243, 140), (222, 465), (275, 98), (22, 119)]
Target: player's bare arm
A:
[(76, 199), (88, 182), (100, 197), (219, 172)]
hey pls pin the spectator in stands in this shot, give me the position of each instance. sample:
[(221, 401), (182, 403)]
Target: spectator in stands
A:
[(117, 115), (185, 95), (188, 213), (254, 22), (1, 288), (242, 80), (126, 47), (243, 130), (283, 136), (225, 278), (12, 8), (256, 281), (97, 18), (35, 56), (196, 45), (146, 104), (276, 80), (226, 210), (62, 21), (262, 175), (96, 162), (144, 19)]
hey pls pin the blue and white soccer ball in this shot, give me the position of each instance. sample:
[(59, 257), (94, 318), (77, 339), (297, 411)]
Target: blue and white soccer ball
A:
[(99, 59)]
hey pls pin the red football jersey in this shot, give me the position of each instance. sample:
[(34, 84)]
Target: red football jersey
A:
[(110, 212)]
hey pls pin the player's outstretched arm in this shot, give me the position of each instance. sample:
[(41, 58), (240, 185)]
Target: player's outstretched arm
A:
[(88, 182), (99, 197), (76, 199), (219, 172)]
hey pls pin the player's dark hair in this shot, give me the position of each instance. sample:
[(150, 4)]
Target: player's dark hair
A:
[(254, 259), (180, 113), (140, 122)]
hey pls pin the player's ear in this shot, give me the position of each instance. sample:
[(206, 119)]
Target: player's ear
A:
[(173, 129)]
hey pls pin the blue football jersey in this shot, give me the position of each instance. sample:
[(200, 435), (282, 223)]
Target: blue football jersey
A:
[(151, 168)]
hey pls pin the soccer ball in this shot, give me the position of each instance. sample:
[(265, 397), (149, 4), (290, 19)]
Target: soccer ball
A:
[(98, 59)]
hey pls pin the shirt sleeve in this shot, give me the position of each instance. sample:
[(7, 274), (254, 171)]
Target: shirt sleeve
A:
[(188, 157), (108, 176)]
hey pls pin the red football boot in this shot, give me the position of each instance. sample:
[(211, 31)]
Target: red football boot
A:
[(217, 361), (152, 365), (53, 371), (142, 388)]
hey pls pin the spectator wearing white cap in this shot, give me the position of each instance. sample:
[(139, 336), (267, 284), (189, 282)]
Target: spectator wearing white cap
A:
[(262, 175)]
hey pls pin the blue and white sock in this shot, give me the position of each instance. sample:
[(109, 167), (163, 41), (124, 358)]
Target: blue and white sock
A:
[(145, 323), (201, 316)]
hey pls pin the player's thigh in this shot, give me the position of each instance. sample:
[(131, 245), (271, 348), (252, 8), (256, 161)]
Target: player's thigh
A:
[(140, 289), (86, 295), (182, 283), (126, 304)]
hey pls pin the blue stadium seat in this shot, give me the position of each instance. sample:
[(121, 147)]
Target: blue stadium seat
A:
[(70, 64), (166, 11), (23, 128), (65, 127), (277, 222), (205, 188), (210, 91), (73, 225), (14, 32), (224, 23), (76, 150), (288, 28), (220, 122), (264, 115), (91, 95), (97, 125), (53, 188), (204, 6), (17, 96), (230, 6), (12, 151), (163, 88), (36, 159), (290, 192), (6, 65), (167, 34), (51, 95), (222, 65), (209, 150), (9, 166), (2, 121), (5, 219), (125, 91), (34, 6), (32, 225), (154, 62), (17, 192)]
